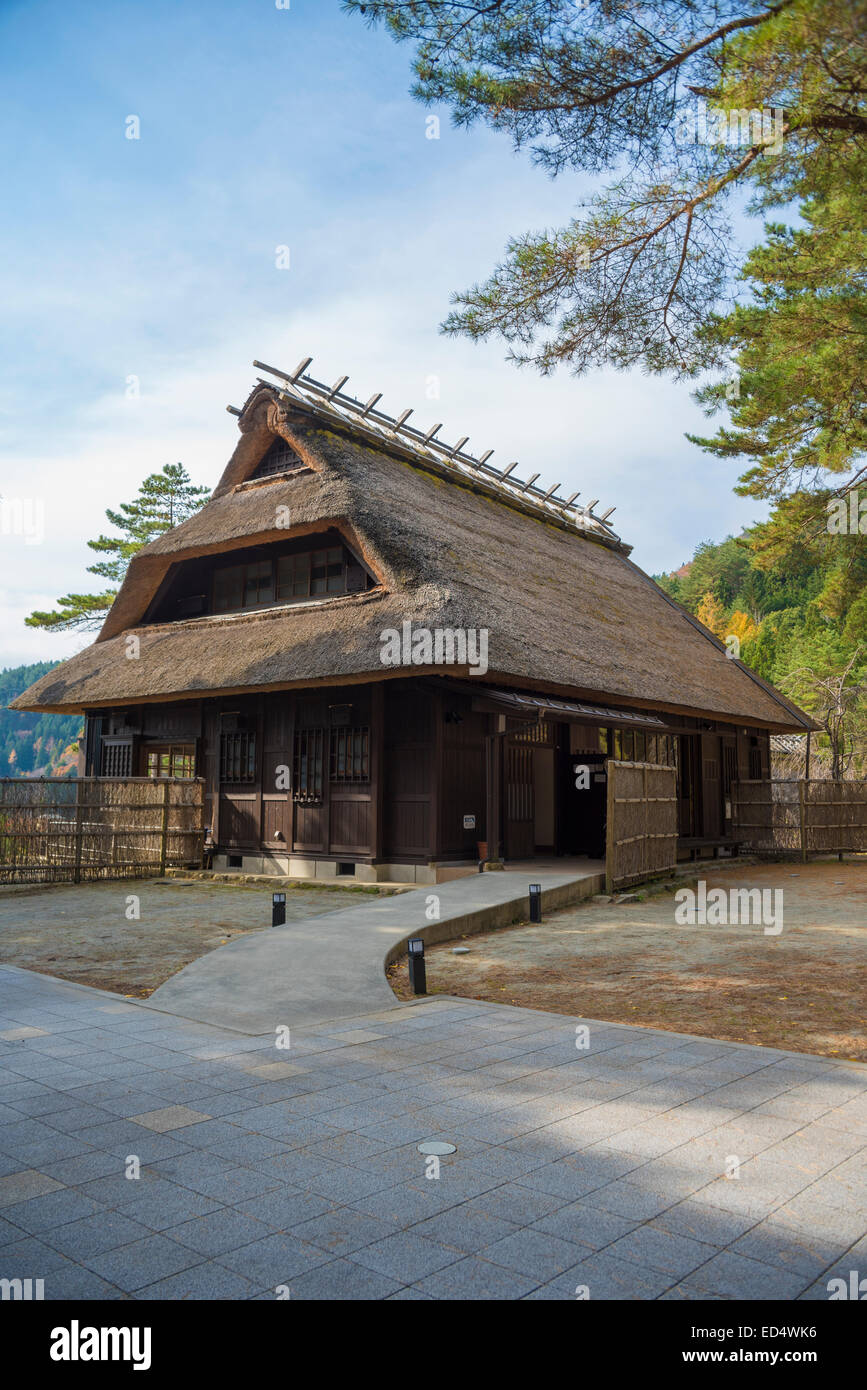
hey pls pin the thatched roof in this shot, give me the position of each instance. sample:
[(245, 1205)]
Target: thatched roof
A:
[(566, 610)]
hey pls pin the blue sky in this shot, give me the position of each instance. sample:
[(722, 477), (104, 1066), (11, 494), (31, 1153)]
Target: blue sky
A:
[(155, 258)]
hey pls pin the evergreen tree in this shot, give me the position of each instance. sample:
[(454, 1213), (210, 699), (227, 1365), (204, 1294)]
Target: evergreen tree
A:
[(165, 499), (681, 103)]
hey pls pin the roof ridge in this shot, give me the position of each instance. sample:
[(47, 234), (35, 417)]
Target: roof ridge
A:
[(381, 428)]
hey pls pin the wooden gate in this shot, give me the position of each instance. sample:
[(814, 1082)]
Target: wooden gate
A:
[(641, 824), (520, 801)]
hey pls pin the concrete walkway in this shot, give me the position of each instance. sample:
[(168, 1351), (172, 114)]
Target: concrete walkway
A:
[(333, 967), (604, 1171)]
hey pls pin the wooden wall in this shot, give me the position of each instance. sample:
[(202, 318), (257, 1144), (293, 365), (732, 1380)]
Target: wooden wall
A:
[(463, 779), (428, 770), (412, 742)]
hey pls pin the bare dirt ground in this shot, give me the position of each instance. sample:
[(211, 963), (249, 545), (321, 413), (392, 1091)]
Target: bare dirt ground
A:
[(804, 989), (81, 932)]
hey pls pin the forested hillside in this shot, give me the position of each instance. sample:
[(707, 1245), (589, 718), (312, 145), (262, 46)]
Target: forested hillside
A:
[(34, 745), (797, 603)]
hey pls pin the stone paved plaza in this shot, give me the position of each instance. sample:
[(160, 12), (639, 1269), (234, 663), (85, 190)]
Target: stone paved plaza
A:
[(600, 1169)]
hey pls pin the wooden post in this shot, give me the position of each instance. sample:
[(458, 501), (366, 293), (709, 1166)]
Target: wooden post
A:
[(803, 811), (644, 847), (436, 804), (79, 829), (495, 742), (807, 759), (610, 847), (377, 749), (164, 828)]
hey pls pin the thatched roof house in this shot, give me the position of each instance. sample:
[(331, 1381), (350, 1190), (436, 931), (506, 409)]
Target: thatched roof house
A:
[(335, 540)]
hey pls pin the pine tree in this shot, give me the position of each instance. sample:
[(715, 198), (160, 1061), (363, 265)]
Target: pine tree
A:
[(164, 500)]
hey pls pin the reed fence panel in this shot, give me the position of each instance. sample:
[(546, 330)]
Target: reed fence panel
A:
[(66, 830), (795, 816), (641, 832)]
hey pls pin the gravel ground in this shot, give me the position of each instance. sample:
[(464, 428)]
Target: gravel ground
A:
[(81, 932), (804, 989)]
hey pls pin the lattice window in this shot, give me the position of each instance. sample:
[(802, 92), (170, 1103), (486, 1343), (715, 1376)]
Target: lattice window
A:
[(280, 458), (238, 756), (531, 733), (312, 573), (302, 575), (309, 761), (350, 755), (116, 760), (755, 764), (730, 768)]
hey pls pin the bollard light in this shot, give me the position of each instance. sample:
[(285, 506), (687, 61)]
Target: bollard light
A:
[(417, 974), (535, 902), (278, 909)]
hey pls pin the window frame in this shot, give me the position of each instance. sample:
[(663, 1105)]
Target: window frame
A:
[(308, 765), (185, 751), (292, 571), (349, 755), (243, 759)]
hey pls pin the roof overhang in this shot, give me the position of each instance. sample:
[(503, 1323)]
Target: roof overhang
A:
[(538, 707)]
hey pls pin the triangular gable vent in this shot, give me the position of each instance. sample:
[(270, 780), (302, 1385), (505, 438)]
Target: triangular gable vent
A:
[(280, 458)]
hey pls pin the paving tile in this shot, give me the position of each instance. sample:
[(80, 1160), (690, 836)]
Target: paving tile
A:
[(631, 1200), (569, 1179), (41, 1214), (27, 1257), (341, 1183), (516, 1203), (672, 1254), (605, 1277), (259, 1172), (342, 1231), (83, 1168), (93, 1234), (275, 1259), (30, 1182), (247, 1149), (343, 1280), (405, 1204), (169, 1118), (159, 1212), (142, 1262), (735, 1276), (583, 1224), (210, 1281), (273, 1071), (285, 1207), (796, 1251), (73, 1282), (230, 1186), (470, 1232), (535, 1253), (221, 1230), (475, 1279)]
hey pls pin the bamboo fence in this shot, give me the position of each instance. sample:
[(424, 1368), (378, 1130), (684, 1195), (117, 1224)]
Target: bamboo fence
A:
[(641, 834), (795, 816), (67, 830)]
